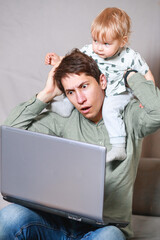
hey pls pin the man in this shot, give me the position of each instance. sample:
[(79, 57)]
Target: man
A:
[(80, 79)]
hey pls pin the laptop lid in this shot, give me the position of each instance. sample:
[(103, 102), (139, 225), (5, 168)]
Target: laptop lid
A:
[(54, 174)]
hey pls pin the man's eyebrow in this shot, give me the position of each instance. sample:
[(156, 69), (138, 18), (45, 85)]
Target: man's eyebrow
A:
[(69, 89), (79, 86)]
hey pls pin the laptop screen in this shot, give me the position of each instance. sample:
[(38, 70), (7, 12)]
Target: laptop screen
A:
[(53, 172)]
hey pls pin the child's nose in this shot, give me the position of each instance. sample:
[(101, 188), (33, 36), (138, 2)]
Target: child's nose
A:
[(100, 46)]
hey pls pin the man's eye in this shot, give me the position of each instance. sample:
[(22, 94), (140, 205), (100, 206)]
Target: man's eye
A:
[(69, 93), (84, 85), (95, 41), (106, 44)]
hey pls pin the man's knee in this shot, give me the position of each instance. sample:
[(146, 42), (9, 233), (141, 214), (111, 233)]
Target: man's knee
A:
[(12, 218), (113, 233), (108, 232)]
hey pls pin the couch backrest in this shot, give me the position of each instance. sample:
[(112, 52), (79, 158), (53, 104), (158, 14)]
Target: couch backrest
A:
[(146, 197)]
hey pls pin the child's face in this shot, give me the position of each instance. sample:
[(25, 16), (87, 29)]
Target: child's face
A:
[(107, 49)]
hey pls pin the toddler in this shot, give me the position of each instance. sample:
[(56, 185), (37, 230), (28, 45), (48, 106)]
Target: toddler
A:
[(110, 34)]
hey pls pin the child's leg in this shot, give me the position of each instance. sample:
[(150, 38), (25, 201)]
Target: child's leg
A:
[(62, 107), (113, 108)]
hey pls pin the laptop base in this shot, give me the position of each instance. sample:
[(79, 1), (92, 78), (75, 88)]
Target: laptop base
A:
[(107, 221)]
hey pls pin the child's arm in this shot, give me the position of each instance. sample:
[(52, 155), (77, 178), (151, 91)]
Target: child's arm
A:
[(149, 76), (52, 59)]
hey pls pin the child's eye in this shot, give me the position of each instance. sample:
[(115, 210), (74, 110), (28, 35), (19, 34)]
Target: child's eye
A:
[(106, 44), (95, 41)]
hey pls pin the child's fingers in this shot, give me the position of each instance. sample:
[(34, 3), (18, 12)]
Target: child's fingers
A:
[(46, 61), (51, 59), (48, 58)]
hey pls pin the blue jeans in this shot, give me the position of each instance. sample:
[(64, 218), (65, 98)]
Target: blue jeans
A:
[(18, 222)]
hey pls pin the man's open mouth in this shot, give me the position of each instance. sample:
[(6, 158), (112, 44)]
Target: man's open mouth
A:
[(85, 110)]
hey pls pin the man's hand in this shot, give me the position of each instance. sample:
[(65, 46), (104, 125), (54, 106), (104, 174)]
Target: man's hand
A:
[(52, 59), (126, 79), (128, 74), (51, 89)]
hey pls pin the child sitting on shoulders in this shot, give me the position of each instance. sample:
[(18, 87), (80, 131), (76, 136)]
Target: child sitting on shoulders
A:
[(110, 34)]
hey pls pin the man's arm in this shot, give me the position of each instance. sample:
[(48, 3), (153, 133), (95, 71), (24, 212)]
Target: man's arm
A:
[(50, 90), (27, 114), (149, 76), (146, 120)]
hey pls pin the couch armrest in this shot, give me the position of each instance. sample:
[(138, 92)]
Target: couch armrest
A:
[(146, 227), (146, 195)]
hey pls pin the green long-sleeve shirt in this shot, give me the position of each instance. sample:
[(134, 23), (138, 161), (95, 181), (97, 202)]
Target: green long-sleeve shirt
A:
[(120, 175)]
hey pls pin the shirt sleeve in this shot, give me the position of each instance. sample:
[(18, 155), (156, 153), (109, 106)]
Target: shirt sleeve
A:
[(84, 49), (22, 115), (146, 120), (87, 49), (28, 116), (138, 63)]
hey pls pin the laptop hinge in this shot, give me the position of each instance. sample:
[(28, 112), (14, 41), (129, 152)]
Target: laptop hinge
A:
[(73, 217)]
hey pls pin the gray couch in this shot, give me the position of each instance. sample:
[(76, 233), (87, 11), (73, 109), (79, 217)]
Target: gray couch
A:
[(146, 200)]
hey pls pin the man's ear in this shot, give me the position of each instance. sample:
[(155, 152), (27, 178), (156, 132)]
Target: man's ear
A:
[(103, 81), (124, 40)]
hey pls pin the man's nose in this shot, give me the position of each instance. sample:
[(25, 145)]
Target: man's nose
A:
[(80, 98)]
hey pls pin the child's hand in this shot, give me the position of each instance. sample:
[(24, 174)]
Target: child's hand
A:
[(52, 59)]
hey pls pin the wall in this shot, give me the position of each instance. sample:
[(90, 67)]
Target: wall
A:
[(30, 29)]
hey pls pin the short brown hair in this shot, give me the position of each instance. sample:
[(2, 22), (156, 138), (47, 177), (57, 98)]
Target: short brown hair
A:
[(112, 21), (76, 62)]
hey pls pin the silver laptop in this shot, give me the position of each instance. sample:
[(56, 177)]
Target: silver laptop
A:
[(54, 174)]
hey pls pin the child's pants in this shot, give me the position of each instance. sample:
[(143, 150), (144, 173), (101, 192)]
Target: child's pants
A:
[(113, 108)]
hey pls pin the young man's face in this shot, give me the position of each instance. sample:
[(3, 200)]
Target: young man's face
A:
[(86, 94)]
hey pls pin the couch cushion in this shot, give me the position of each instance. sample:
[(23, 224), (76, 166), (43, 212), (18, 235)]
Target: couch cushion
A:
[(146, 197), (146, 227)]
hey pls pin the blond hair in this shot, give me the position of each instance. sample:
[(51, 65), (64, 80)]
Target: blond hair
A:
[(113, 22)]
